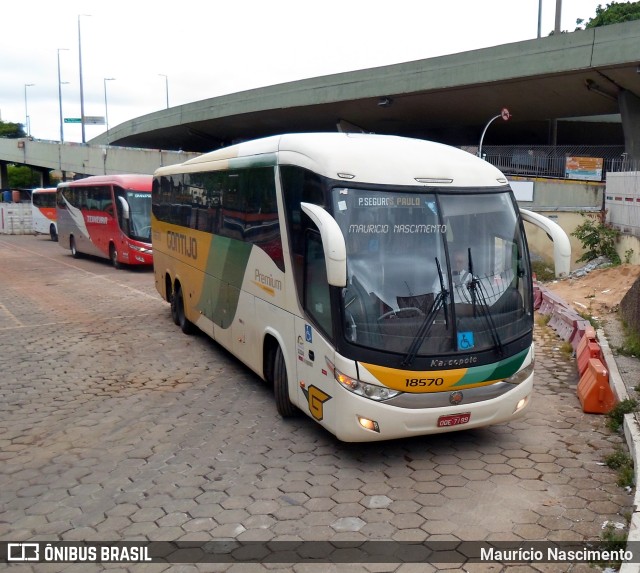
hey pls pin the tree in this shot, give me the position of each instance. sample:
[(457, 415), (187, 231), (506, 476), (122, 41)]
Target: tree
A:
[(11, 130), (22, 177), (598, 238), (614, 13)]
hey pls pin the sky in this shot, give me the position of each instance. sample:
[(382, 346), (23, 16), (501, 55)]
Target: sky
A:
[(200, 49)]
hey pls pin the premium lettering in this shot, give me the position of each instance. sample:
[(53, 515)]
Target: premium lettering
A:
[(267, 280)]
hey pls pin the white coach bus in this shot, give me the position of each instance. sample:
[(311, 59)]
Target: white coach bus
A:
[(382, 284), (43, 212)]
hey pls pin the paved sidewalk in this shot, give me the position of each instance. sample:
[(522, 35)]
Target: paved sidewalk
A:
[(116, 426)]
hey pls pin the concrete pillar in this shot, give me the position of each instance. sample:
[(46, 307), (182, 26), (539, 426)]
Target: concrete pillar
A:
[(4, 175), (44, 178), (630, 112)]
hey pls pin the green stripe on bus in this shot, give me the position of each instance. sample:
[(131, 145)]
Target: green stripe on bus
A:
[(504, 369), (219, 300), (264, 160)]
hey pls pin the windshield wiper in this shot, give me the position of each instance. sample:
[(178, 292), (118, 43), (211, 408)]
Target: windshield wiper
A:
[(477, 292), (439, 302)]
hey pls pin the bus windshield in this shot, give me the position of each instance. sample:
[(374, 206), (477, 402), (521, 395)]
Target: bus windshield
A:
[(432, 272), (140, 216)]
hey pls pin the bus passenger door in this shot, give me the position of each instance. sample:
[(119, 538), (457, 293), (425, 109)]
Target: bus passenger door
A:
[(315, 381)]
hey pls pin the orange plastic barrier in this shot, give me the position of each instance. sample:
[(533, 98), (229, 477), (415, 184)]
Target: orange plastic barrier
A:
[(587, 351), (594, 392)]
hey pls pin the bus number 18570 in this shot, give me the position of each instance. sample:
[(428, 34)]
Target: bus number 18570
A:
[(419, 382)]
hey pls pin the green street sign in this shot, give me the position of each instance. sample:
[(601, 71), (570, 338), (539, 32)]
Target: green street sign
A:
[(72, 120)]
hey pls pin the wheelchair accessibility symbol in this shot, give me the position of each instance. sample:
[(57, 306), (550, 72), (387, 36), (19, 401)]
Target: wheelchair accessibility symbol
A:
[(465, 340)]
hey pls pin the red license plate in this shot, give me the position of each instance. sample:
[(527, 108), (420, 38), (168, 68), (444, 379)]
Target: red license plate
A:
[(453, 420)]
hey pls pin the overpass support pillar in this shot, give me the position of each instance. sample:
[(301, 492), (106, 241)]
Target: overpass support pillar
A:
[(45, 181), (4, 175), (630, 112)]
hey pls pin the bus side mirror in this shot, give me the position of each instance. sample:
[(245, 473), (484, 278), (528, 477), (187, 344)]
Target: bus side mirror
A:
[(561, 244), (125, 208), (332, 242)]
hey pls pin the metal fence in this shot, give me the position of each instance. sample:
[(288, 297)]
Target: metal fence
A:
[(621, 173), (551, 161)]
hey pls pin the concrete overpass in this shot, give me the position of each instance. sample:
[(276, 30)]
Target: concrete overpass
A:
[(45, 156), (548, 84), (450, 98)]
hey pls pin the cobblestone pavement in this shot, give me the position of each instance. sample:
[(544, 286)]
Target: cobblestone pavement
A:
[(116, 426)]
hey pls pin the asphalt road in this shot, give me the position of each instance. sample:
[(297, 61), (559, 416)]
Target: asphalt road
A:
[(116, 426)]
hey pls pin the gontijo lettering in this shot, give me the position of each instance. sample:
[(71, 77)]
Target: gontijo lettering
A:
[(183, 245)]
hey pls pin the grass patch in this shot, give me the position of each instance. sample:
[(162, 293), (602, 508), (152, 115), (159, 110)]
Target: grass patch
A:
[(543, 319), (592, 321), (615, 540), (631, 344), (543, 271), (566, 348), (623, 464), (616, 416)]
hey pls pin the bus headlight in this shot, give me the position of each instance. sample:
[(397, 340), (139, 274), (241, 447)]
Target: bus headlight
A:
[(140, 249), (520, 376), (371, 391)]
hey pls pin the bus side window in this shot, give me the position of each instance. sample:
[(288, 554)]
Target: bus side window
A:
[(316, 288)]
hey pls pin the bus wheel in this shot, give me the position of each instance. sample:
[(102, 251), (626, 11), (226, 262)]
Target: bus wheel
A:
[(178, 302), (74, 251), (113, 255), (281, 386), (53, 233), (174, 309)]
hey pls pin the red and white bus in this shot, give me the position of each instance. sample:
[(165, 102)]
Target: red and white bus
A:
[(107, 216), (43, 212)]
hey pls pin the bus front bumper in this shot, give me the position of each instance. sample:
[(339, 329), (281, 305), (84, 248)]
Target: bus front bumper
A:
[(364, 420)]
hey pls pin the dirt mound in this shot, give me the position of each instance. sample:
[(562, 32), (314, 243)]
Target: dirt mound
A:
[(599, 292)]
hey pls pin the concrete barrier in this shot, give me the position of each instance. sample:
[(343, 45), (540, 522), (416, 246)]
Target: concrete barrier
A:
[(550, 302), (582, 328), (563, 321)]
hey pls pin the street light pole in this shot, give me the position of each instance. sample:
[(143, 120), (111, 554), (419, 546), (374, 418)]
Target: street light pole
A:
[(504, 114), (166, 87), (539, 18), (558, 26), (81, 85), (60, 96), (106, 107), (26, 109)]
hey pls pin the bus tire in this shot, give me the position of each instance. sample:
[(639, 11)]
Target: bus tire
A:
[(174, 308), (74, 250), (281, 386), (113, 256), (178, 302), (53, 233)]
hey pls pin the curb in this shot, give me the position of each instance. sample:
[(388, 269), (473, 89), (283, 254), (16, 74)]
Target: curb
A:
[(632, 436)]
